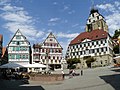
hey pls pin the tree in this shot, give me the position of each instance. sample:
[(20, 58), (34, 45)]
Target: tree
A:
[(116, 49), (89, 60), (116, 34), (73, 61)]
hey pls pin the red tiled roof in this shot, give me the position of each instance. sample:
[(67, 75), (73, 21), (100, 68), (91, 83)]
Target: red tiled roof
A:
[(93, 35), (1, 37), (3, 51)]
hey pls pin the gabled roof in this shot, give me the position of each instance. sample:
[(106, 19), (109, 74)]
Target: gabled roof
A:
[(22, 36), (51, 35), (93, 35)]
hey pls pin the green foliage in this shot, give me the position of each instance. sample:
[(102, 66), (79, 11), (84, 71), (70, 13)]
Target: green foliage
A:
[(89, 60), (73, 61), (86, 57), (116, 49), (117, 33)]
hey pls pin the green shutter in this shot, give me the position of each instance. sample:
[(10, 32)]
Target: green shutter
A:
[(17, 56), (12, 56), (17, 48)]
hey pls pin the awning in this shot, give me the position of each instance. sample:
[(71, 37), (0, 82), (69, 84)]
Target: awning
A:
[(12, 65), (117, 57), (35, 65)]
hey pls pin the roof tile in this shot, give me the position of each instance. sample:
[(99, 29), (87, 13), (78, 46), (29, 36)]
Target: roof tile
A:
[(93, 35)]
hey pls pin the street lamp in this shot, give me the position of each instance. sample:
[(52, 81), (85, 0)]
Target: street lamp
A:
[(119, 43)]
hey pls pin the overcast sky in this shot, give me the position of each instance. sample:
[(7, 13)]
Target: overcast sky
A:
[(65, 18)]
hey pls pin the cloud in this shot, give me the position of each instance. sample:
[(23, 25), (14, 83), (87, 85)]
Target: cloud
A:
[(3, 2), (75, 25), (54, 19), (17, 18), (66, 35), (55, 3), (71, 12), (112, 15), (65, 8)]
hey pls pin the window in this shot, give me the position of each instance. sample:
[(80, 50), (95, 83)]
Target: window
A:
[(93, 14), (42, 50), (23, 56), (101, 49), (51, 50), (13, 48), (12, 56), (77, 53), (80, 52), (98, 17), (18, 43), (13, 42), (57, 57), (92, 43), (88, 44), (97, 49), (56, 50), (17, 48), (105, 48), (76, 46), (96, 42), (17, 56), (51, 61), (105, 41), (59, 51), (84, 45), (93, 51), (48, 57), (73, 47), (80, 45), (51, 39), (18, 37), (89, 20)]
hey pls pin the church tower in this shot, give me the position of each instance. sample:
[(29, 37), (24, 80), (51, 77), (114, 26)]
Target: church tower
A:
[(96, 21)]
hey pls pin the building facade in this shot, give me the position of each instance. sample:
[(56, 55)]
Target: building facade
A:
[(19, 50), (49, 52), (1, 46), (4, 57), (95, 42)]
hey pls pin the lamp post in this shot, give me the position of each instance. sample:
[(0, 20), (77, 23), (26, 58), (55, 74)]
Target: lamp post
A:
[(119, 43)]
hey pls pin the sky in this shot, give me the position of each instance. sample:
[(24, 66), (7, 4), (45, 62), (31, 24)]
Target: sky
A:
[(64, 18)]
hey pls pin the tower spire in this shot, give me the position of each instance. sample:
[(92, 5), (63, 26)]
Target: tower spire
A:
[(92, 1)]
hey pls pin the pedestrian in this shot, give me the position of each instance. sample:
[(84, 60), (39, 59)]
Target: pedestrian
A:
[(63, 74), (81, 72), (70, 73), (73, 72)]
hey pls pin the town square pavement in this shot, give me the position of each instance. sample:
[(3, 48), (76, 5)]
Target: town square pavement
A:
[(101, 78)]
